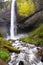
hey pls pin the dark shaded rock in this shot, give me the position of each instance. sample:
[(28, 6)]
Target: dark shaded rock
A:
[(4, 12), (4, 17), (40, 54), (22, 22), (33, 20), (42, 58), (38, 6), (21, 63)]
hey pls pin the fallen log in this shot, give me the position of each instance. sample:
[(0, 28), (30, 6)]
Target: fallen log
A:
[(12, 49)]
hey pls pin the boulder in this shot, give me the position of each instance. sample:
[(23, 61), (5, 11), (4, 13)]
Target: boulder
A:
[(33, 20)]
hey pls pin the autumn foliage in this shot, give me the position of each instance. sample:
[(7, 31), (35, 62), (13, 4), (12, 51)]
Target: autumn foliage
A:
[(25, 8)]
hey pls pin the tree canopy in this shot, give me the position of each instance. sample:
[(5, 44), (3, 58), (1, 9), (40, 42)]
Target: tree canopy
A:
[(25, 7)]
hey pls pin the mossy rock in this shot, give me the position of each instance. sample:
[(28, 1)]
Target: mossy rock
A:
[(35, 37), (4, 42), (4, 52), (33, 41), (28, 40), (40, 42), (41, 35)]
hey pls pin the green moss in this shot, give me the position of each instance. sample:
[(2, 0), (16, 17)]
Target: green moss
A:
[(1, 34), (35, 37), (40, 42), (28, 40), (33, 41), (37, 31), (6, 46), (3, 41), (4, 55), (4, 52), (41, 35)]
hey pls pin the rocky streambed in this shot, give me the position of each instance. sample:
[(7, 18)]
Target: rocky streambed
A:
[(29, 54)]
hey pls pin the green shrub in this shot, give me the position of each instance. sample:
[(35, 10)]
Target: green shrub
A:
[(4, 55), (25, 8), (35, 37), (41, 35), (1, 34), (28, 40), (33, 41), (40, 42)]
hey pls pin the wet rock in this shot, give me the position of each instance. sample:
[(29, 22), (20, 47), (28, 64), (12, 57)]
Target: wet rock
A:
[(4, 17), (42, 58), (30, 54), (40, 52), (32, 21), (21, 63)]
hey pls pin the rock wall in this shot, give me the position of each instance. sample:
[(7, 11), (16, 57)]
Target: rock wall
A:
[(22, 22), (37, 16), (5, 16)]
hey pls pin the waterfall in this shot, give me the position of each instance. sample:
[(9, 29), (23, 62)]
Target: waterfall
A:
[(13, 28), (13, 24)]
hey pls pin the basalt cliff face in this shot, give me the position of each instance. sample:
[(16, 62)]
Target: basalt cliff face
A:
[(5, 16), (32, 20)]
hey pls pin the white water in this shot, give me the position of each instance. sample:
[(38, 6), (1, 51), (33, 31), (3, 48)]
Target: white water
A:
[(13, 28), (28, 54), (28, 51)]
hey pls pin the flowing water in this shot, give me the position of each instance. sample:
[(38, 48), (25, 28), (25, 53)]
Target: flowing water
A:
[(13, 29), (27, 56)]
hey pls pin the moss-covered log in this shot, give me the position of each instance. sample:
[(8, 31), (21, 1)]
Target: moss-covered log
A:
[(4, 44), (12, 49)]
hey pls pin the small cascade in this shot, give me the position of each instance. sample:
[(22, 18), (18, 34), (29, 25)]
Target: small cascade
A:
[(27, 56)]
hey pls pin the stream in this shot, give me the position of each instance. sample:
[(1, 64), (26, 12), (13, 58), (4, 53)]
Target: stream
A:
[(29, 55)]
